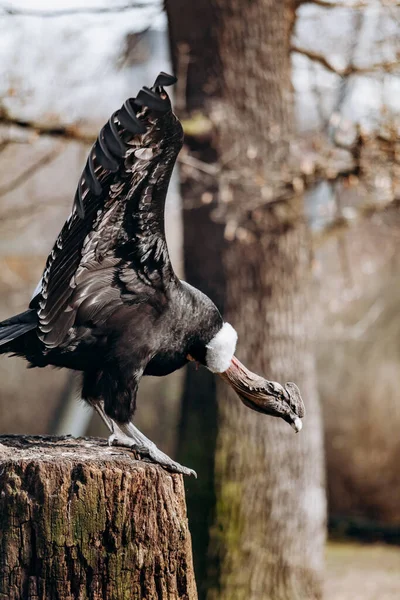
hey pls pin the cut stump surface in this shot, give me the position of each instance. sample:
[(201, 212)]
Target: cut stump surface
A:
[(82, 520)]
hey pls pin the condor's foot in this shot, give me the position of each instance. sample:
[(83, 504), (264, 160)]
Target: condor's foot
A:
[(129, 436)]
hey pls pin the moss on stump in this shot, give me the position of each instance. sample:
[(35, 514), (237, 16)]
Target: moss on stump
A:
[(81, 520)]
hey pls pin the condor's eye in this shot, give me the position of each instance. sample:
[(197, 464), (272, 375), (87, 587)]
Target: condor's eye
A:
[(276, 389)]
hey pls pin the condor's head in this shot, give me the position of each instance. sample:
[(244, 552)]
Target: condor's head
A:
[(257, 393)]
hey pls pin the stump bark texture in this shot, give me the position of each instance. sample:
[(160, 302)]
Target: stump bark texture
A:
[(81, 520)]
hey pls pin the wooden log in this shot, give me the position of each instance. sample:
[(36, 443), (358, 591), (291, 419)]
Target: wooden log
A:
[(82, 520)]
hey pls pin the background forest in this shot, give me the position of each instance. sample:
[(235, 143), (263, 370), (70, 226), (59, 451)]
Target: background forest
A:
[(285, 210)]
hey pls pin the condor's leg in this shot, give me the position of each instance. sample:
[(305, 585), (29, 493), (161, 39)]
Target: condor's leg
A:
[(129, 436), (126, 434), (90, 393), (97, 405)]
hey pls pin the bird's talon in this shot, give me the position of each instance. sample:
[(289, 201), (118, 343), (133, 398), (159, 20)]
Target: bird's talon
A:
[(151, 455)]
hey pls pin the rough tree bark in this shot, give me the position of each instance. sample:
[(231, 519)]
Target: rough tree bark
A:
[(268, 518), (82, 521)]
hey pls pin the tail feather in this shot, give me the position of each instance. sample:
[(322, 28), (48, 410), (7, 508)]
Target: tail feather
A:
[(13, 328)]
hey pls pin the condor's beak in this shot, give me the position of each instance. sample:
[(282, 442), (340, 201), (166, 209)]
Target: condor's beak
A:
[(267, 397)]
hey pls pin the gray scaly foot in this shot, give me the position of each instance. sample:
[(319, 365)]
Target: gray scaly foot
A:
[(129, 436)]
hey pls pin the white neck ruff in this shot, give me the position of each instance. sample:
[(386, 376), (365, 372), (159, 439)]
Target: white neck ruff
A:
[(221, 348)]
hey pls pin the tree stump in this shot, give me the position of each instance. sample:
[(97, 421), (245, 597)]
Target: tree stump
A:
[(82, 520)]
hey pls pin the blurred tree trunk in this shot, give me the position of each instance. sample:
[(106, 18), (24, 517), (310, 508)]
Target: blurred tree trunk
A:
[(267, 507)]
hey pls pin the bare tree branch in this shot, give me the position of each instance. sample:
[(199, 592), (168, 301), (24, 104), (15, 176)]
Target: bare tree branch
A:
[(192, 161), (344, 221), (10, 10), (70, 133), (25, 211), (360, 330), (387, 67), (3, 145), (25, 175), (354, 5)]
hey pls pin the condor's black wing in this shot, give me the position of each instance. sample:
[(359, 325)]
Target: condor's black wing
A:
[(112, 248)]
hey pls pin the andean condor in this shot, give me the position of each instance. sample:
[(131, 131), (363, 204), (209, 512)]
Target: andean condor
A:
[(109, 303)]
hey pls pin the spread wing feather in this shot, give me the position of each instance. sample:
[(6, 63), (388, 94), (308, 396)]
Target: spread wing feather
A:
[(112, 249)]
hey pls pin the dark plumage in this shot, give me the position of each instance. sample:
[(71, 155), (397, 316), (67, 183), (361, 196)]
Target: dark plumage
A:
[(109, 303)]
